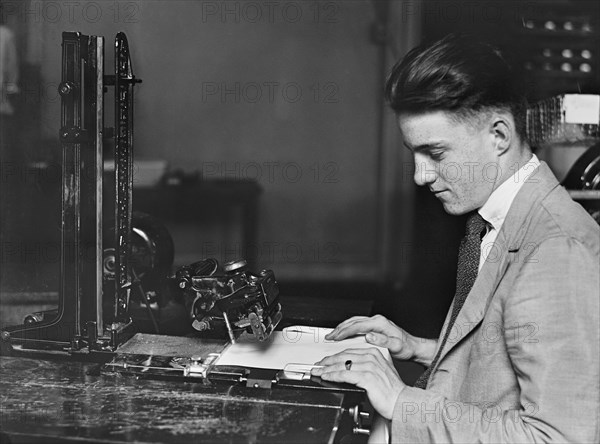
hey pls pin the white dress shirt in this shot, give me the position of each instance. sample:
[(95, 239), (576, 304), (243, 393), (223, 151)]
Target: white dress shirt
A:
[(496, 208)]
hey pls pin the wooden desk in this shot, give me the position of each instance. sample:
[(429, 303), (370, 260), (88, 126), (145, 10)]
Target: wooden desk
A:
[(50, 401), (45, 400)]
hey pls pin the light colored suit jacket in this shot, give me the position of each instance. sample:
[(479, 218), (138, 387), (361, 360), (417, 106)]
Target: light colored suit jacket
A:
[(521, 362)]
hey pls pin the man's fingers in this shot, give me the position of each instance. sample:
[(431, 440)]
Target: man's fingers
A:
[(377, 339), (343, 325), (354, 355), (383, 387), (332, 368), (357, 356), (352, 319), (357, 327), (361, 374), (393, 343), (348, 376)]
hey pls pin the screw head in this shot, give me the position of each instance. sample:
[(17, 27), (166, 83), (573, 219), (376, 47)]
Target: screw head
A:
[(65, 89)]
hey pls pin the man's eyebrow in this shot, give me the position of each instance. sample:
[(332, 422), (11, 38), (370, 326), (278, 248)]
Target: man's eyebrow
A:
[(425, 146)]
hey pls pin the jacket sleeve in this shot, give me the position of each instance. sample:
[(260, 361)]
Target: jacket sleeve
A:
[(551, 331)]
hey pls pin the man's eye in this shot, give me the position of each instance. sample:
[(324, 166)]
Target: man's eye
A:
[(436, 155)]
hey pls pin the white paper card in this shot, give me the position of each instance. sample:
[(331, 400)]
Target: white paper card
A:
[(582, 108), (293, 345)]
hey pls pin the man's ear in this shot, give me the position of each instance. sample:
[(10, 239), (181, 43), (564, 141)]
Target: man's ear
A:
[(502, 131)]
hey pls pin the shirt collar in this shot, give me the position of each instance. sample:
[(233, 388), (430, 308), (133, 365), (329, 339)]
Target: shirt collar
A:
[(496, 208)]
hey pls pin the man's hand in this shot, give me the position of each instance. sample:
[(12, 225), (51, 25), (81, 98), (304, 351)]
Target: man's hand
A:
[(368, 370), (384, 333)]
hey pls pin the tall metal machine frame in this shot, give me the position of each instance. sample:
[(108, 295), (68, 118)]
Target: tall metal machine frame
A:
[(81, 322)]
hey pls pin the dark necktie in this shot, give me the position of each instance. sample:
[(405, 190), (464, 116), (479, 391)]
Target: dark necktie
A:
[(468, 265)]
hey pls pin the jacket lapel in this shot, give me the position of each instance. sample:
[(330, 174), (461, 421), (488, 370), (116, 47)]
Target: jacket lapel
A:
[(508, 242)]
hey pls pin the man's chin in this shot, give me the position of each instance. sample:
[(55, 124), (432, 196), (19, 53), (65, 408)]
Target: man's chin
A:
[(455, 210)]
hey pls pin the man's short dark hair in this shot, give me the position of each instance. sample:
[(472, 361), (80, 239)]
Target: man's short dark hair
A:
[(458, 73)]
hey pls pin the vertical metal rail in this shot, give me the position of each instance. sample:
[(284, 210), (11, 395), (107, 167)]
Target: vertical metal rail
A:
[(92, 173), (124, 82), (81, 136), (71, 136), (100, 178)]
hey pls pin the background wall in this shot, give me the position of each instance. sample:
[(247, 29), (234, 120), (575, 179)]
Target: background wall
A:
[(287, 93)]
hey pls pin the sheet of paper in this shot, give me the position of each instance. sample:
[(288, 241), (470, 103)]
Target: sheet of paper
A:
[(294, 345)]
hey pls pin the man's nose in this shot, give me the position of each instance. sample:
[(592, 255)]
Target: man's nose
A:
[(425, 172)]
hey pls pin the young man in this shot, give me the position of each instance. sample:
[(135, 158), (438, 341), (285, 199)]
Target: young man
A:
[(518, 356)]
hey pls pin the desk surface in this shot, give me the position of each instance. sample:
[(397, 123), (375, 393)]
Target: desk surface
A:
[(56, 400), (45, 400)]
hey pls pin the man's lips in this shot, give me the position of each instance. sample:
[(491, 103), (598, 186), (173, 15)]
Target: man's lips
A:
[(438, 191)]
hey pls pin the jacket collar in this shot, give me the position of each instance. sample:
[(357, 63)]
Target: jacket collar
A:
[(496, 208)]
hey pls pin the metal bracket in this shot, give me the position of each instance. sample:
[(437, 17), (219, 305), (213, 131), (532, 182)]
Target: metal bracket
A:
[(261, 378), (200, 366), (74, 134), (358, 417)]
